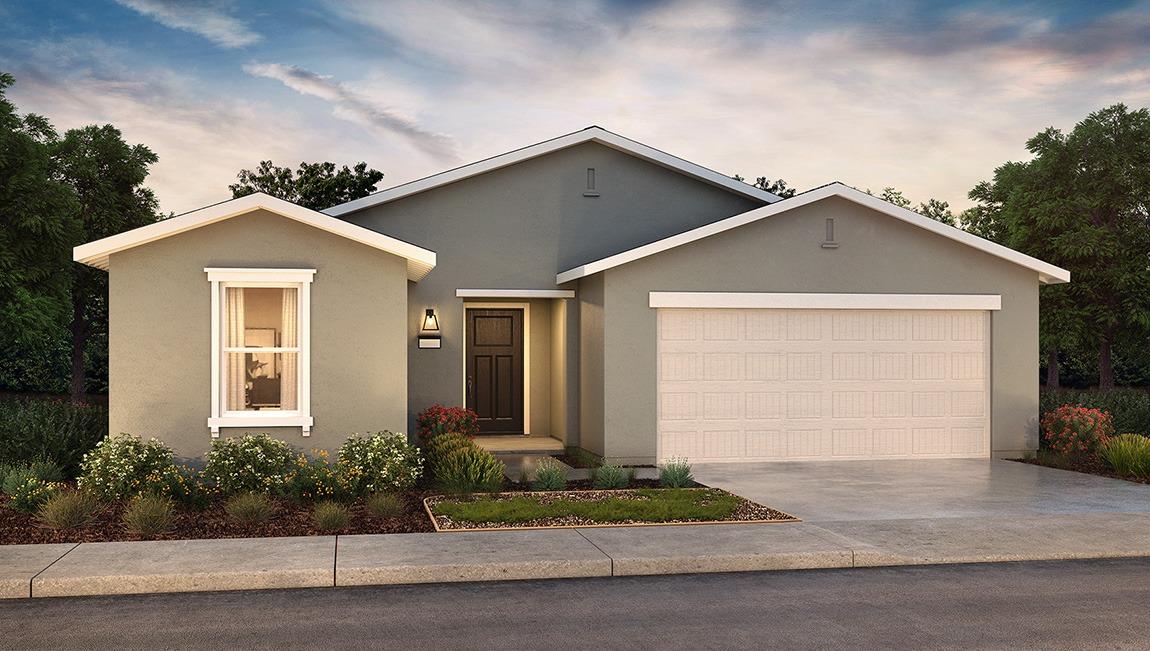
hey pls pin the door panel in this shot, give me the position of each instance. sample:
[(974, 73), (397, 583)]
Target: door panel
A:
[(495, 369)]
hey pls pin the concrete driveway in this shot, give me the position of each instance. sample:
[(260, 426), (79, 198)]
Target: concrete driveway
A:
[(837, 491)]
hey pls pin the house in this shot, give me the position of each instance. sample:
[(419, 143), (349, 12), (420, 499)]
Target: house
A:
[(590, 289)]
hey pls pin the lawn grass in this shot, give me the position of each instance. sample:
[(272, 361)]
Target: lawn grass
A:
[(641, 505)]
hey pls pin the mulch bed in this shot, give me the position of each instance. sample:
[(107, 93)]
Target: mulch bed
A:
[(745, 511), (291, 519), (1090, 464)]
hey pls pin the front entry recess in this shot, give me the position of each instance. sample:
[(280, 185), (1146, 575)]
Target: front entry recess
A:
[(495, 369)]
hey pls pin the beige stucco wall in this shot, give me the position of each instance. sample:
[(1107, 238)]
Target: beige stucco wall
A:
[(160, 331), (876, 254), (591, 364)]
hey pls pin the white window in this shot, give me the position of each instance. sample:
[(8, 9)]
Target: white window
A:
[(260, 348)]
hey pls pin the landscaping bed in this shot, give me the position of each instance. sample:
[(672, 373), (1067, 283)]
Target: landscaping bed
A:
[(589, 508), (1090, 464)]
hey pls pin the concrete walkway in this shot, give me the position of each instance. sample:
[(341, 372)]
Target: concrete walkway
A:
[(868, 515)]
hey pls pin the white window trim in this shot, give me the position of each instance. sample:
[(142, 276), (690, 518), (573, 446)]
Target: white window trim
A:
[(515, 293), (738, 300), (221, 278), (526, 307)]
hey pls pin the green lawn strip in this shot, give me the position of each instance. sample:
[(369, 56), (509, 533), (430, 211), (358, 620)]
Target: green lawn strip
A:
[(660, 505)]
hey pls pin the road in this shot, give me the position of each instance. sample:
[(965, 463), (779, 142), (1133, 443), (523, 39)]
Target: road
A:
[(1096, 604)]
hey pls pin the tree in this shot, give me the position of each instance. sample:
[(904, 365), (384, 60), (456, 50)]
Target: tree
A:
[(313, 185), (106, 175), (34, 230), (778, 187), (936, 209), (1082, 203)]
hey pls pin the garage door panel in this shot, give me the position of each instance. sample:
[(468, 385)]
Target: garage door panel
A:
[(808, 384)]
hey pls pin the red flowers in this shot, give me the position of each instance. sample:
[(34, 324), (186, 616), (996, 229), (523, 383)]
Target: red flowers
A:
[(1075, 431), (437, 419)]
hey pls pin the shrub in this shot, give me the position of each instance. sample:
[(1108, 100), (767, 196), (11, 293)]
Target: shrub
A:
[(610, 476), (330, 516), (443, 446), (550, 475), (249, 509), (676, 473), (28, 492), (68, 509), (34, 429), (1128, 454), (1074, 430), (471, 469), (379, 462), (314, 478), (384, 505), (1130, 408), (149, 515), (14, 477), (120, 466), (437, 420), (181, 483), (47, 471), (250, 463)]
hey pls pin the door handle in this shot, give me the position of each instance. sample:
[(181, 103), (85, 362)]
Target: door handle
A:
[(470, 389)]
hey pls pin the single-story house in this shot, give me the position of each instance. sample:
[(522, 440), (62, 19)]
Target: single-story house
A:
[(590, 289)]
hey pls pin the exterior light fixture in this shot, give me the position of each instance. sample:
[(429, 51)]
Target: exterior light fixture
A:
[(429, 336)]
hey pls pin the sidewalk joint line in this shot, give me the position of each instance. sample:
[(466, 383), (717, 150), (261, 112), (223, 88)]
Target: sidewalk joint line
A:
[(33, 578), (335, 563), (580, 532)]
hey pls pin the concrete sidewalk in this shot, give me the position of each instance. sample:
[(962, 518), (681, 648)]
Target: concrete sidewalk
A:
[(323, 561)]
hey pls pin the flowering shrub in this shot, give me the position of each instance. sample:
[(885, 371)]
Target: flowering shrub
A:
[(314, 479), (254, 463), (29, 494), (120, 466), (437, 419), (1074, 430), (380, 462), (180, 483)]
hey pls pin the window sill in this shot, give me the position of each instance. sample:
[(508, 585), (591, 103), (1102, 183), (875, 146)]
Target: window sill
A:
[(261, 420)]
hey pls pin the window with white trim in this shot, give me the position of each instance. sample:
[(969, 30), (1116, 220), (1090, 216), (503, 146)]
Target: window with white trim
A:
[(260, 342)]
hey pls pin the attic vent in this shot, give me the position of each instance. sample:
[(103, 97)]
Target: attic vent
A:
[(590, 191), (830, 242)]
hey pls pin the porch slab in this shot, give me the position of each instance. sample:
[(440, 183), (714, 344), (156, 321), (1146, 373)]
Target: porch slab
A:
[(470, 556), (718, 548), (19, 563), (519, 444), (190, 566)]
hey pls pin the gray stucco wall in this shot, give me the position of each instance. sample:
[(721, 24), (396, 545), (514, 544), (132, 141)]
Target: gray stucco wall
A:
[(516, 227), (160, 331), (877, 254)]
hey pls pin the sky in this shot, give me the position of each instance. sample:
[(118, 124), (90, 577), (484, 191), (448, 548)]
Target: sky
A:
[(926, 97)]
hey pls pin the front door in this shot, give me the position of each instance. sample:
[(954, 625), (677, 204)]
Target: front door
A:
[(495, 369)]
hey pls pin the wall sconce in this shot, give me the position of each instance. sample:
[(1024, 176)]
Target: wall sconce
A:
[(429, 336)]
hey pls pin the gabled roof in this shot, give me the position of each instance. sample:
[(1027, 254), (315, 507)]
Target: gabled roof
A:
[(420, 261), (590, 134), (1047, 273)]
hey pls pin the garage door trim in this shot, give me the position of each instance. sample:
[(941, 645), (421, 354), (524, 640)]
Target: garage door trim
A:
[(736, 300)]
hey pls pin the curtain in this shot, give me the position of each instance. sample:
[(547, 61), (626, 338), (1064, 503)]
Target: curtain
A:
[(289, 375), (237, 375)]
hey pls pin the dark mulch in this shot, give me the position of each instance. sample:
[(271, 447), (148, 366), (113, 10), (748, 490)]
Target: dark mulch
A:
[(291, 519), (1090, 464)]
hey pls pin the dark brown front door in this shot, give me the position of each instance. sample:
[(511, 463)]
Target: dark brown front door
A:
[(495, 369)]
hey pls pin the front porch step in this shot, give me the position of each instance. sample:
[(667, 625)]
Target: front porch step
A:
[(518, 444)]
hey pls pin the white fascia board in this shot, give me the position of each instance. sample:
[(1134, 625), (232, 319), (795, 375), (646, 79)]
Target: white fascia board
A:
[(515, 293), (1047, 273), (761, 300), (590, 134), (420, 261)]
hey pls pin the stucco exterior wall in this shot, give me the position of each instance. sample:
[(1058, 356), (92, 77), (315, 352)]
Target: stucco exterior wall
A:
[(877, 254), (591, 364), (516, 227), (160, 331)]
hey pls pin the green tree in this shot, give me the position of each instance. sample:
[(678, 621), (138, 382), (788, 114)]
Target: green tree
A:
[(106, 175), (777, 187), (936, 209), (34, 229), (313, 185), (1082, 203)]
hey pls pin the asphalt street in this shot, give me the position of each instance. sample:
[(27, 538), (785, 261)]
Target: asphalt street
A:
[(1063, 605)]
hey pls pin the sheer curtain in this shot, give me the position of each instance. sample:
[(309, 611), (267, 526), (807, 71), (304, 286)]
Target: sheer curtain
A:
[(289, 382), (237, 368)]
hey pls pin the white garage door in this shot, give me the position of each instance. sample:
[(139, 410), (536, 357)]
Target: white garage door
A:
[(775, 384)]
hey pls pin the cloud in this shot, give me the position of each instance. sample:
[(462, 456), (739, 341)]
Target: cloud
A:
[(352, 106), (198, 17)]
